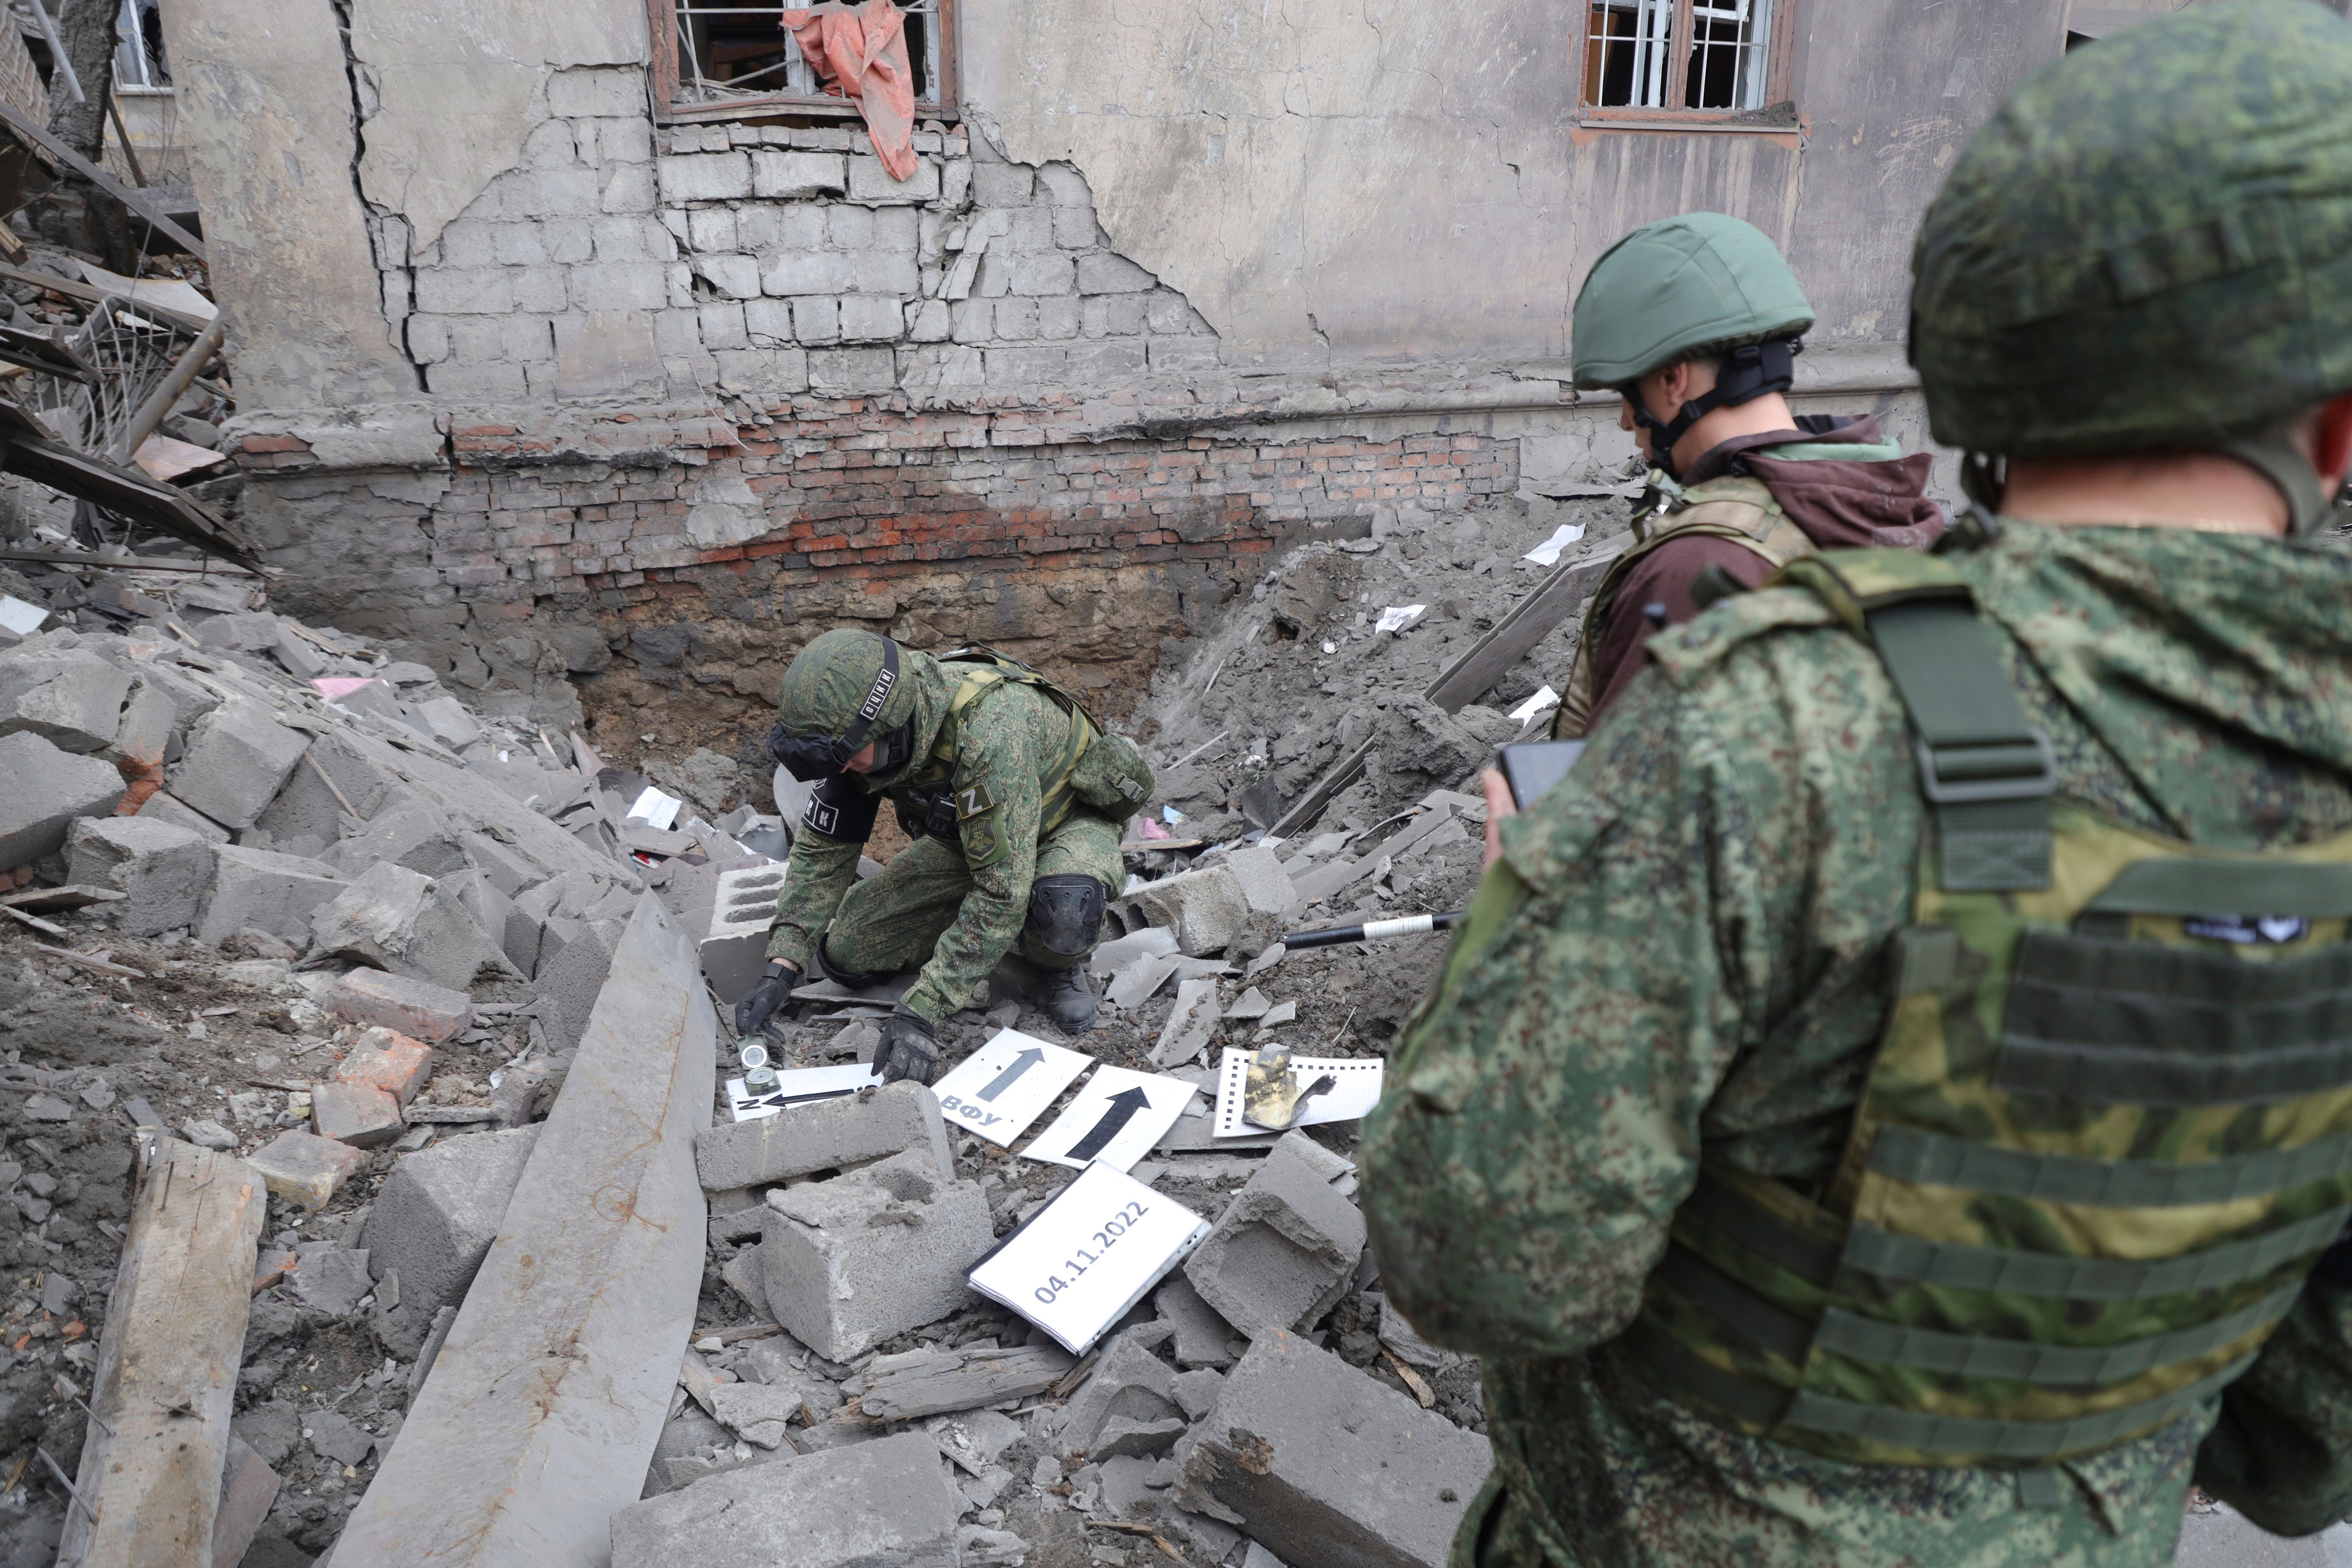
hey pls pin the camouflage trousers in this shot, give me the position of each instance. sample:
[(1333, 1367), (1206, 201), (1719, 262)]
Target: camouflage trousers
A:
[(891, 922)]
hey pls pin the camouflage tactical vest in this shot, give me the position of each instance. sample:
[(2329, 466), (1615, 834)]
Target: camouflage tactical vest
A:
[(926, 803), (2108, 1133), (1737, 506)]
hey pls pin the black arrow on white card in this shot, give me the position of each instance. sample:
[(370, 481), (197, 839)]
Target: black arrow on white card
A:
[(1121, 1111), (1012, 1074)]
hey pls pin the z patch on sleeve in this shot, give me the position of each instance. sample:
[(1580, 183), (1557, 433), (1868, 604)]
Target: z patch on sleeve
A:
[(972, 800)]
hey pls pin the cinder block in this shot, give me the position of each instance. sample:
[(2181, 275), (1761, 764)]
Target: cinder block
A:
[(797, 177), (1131, 1390), (567, 984), (465, 290), (386, 1059), (705, 177), (264, 890), (1202, 1337), (829, 1135), (166, 807), (817, 319), (409, 833), (1204, 909), (854, 370), (412, 1008), (1035, 275), (69, 698), (585, 92), (927, 322), (1265, 885), (1106, 272), (887, 1503), (304, 1168), (741, 911), (872, 318), (870, 181), (438, 1212), (163, 872), (737, 277), (768, 322), (1003, 184), (143, 734), (238, 760), (354, 1113), (397, 920), (1319, 1462), (797, 272), (853, 1261), (1286, 1249), (253, 631), (42, 790), (1063, 186)]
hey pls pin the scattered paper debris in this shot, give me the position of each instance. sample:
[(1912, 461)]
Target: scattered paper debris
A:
[(1542, 702), (1547, 553), (656, 809), (1396, 617)]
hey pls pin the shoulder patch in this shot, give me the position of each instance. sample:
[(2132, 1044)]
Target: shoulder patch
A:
[(973, 799), (1683, 652)]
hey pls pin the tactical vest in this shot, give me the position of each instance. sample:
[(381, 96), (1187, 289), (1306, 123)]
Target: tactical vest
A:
[(1737, 506), (2107, 1135), (925, 802)]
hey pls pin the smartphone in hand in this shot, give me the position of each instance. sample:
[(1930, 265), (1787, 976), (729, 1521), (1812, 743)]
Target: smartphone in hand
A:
[(1531, 767)]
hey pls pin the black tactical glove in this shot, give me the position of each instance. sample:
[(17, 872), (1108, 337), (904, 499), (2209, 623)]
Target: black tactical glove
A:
[(908, 1048), (776, 983)]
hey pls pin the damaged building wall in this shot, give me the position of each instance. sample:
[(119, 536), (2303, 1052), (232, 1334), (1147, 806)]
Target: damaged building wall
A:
[(1171, 290)]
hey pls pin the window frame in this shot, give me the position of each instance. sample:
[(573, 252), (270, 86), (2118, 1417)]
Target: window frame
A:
[(661, 17), (1780, 47)]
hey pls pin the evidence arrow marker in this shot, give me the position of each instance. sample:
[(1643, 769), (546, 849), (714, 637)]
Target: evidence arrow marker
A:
[(1123, 1106), (1012, 1074)]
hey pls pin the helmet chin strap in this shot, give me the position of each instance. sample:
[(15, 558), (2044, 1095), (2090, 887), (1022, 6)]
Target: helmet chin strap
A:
[(1747, 373), (2287, 466)]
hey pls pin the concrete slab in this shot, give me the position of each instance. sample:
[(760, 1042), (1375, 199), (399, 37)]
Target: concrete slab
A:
[(401, 920), (238, 760), (163, 872), (263, 890), (832, 1134), (42, 790), (547, 1400), (888, 1501), (69, 696), (1322, 1464), (437, 1214)]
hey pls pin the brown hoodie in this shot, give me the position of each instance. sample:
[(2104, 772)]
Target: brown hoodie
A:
[(1866, 502)]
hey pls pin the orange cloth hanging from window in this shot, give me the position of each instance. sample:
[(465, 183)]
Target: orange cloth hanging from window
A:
[(860, 52)]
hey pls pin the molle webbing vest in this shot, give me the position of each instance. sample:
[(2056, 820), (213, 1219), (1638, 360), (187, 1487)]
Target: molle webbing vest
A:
[(2107, 1135), (928, 805), (1736, 507)]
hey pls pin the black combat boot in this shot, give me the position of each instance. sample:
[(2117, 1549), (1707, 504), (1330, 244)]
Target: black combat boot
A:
[(1068, 999)]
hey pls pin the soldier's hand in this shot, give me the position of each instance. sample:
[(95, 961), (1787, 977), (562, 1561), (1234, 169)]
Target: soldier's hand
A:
[(908, 1049), (1499, 804), (776, 983)]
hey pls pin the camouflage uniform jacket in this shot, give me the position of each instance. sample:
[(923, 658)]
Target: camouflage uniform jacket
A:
[(1681, 952), (1008, 744)]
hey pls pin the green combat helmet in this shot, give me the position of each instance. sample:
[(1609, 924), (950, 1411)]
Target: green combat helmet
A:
[(2150, 247), (1681, 288), (841, 690)]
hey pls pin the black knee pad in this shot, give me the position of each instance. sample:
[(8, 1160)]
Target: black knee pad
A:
[(1066, 910), (855, 978)]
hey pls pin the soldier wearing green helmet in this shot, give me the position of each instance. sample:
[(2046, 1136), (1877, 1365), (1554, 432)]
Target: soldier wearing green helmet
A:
[(1890, 1104), (1696, 321), (1016, 799)]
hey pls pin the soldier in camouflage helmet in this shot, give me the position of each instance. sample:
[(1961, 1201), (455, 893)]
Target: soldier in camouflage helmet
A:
[(1890, 1103), (1016, 802)]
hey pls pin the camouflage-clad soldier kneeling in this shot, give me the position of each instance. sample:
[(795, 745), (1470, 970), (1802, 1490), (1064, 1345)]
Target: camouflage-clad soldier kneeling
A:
[(1016, 801), (1892, 1103)]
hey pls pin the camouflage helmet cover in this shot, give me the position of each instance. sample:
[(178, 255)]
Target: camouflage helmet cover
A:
[(830, 679), (1674, 289), (2149, 244)]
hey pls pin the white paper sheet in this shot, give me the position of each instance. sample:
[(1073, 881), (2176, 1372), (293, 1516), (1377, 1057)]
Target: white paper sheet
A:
[(656, 809), (1547, 553), (1396, 617), (1116, 1118), (1545, 699), (1353, 1096), (1080, 1263), (999, 1090), (799, 1086)]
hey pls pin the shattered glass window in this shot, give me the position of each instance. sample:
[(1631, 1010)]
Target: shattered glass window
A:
[(739, 53), (139, 63), (1678, 53)]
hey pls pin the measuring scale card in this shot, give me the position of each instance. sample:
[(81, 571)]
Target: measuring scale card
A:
[(800, 1086), (1116, 1118), (1356, 1090), (1078, 1266), (999, 1090)]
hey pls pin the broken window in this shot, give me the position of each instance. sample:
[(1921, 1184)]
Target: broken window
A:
[(737, 57), (1721, 56), (139, 63)]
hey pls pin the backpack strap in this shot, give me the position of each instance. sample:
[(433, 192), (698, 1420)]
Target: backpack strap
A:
[(1987, 773)]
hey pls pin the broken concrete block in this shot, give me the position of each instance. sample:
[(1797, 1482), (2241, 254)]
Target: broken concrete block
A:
[(264, 890), (305, 806), (1285, 1250), (547, 1400), (1131, 1388), (248, 1486), (69, 698), (330, 1278), (354, 1113), (163, 872), (238, 760), (42, 790), (386, 1059), (1202, 1337), (884, 1504), (742, 910), (567, 986), (243, 632), (1265, 885), (853, 1261), (743, 1274), (1322, 1464), (295, 652), (754, 1412), (399, 920), (1189, 1024), (407, 831), (1204, 909), (144, 733), (304, 1168), (436, 1215), (1197, 1391), (414, 1008), (829, 1135), (166, 807)]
